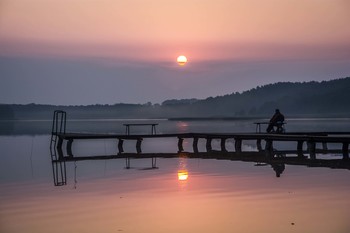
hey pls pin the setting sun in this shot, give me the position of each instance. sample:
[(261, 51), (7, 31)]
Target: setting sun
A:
[(181, 60)]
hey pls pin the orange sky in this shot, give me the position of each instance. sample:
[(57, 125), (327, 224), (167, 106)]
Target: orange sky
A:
[(125, 51), (156, 29)]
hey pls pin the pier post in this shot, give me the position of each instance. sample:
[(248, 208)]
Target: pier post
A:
[(208, 145), (120, 145), (138, 145), (258, 144), (223, 145), (300, 149), (269, 145), (345, 150), (127, 163), (312, 149), (154, 162), (269, 149), (195, 145), (324, 146), (238, 145), (69, 147), (179, 144)]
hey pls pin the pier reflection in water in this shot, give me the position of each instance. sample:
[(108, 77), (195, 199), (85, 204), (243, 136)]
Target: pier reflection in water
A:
[(214, 193), (277, 160)]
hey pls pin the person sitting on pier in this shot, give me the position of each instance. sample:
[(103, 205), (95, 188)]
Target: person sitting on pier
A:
[(277, 120)]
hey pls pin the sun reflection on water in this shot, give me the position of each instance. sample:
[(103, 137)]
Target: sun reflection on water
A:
[(182, 172), (182, 175), (182, 126)]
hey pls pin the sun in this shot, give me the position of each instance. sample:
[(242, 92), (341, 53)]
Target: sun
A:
[(181, 60)]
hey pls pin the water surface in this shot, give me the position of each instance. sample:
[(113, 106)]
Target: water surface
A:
[(179, 195)]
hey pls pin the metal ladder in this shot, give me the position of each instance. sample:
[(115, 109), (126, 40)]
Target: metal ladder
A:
[(58, 167), (58, 126)]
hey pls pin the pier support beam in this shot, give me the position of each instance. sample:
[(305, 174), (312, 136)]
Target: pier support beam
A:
[(269, 146), (208, 145), (179, 145), (258, 145), (195, 145), (127, 163), (345, 150), (312, 149), (154, 162), (300, 149), (138, 145), (269, 149), (120, 145), (223, 145), (324, 146), (238, 145)]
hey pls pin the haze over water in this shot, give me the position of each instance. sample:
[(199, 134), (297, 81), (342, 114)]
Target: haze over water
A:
[(217, 196)]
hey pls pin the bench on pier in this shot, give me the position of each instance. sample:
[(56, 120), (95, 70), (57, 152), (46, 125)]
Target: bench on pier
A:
[(278, 127), (153, 127)]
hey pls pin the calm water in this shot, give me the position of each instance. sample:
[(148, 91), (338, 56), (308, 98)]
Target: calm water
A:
[(181, 195)]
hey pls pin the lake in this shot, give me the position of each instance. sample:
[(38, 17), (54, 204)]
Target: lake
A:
[(167, 194)]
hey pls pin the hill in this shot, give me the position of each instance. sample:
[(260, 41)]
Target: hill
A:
[(327, 98), (316, 99)]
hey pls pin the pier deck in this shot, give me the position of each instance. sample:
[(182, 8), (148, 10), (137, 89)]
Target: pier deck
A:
[(264, 154), (309, 138)]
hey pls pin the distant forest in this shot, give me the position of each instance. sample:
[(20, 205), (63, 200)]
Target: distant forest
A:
[(306, 99)]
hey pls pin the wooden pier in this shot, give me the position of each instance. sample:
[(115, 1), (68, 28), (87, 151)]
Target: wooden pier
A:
[(310, 139), (306, 152), (61, 139)]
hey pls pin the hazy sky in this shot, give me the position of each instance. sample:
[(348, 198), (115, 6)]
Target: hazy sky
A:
[(111, 51)]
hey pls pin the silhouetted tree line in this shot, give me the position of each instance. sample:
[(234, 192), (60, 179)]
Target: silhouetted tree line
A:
[(326, 98), (6, 112)]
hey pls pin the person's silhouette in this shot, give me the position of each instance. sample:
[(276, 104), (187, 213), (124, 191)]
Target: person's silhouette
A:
[(276, 120), (278, 168)]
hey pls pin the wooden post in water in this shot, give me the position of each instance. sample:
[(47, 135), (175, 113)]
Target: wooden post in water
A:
[(238, 145), (195, 145), (258, 145), (127, 163), (312, 149), (223, 145), (345, 150), (138, 145), (300, 149), (324, 146), (179, 144), (120, 145), (208, 145), (269, 146)]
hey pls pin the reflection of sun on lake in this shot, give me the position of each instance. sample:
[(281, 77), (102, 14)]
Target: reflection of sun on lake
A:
[(182, 175), (182, 126)]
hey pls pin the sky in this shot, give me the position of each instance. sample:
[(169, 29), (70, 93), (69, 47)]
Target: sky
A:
[(79, 52)]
